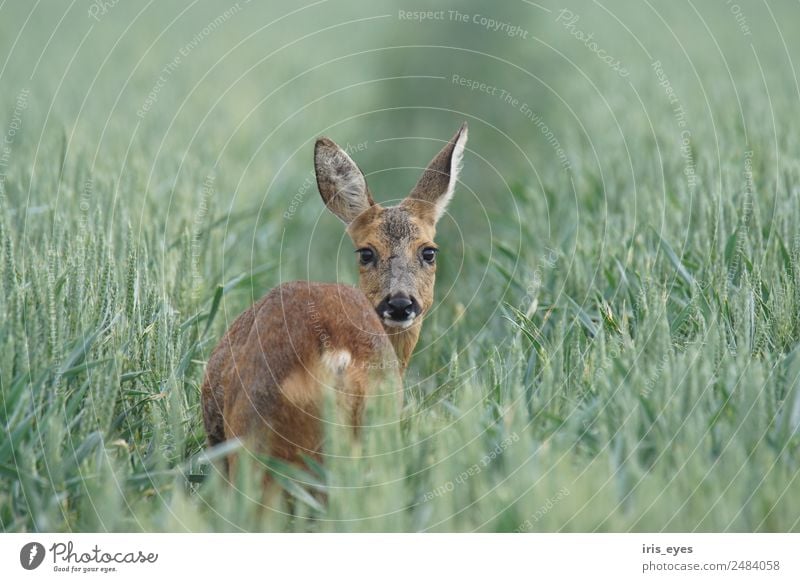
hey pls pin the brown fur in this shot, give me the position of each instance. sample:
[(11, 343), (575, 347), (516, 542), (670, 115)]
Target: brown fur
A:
[(398, 233), (266, 378)]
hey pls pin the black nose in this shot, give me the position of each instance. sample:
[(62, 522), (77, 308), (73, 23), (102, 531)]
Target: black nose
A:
[(400, 306)]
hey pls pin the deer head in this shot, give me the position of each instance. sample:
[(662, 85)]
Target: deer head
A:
[(395, 246)]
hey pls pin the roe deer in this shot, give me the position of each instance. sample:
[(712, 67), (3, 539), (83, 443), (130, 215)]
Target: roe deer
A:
[(266, 378)]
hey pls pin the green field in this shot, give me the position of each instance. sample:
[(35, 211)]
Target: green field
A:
[(615, 342)]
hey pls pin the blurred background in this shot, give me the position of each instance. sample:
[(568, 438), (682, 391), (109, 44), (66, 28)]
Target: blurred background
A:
[(158, 157), (149, 99)]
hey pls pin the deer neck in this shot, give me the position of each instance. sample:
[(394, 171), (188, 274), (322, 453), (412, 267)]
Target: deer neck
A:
[(403, 341)]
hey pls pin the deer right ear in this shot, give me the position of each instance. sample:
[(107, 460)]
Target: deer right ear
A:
[(435, 188), (341, 183)]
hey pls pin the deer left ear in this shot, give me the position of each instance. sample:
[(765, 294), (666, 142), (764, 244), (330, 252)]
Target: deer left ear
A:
[(340, 182), (435, 187)]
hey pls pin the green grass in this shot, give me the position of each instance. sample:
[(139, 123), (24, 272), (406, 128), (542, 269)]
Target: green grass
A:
[(614, 345)]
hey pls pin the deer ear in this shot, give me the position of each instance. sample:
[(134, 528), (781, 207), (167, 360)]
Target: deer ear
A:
[(438, 182), (341, 183)]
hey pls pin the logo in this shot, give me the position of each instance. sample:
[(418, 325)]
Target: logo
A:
[(31, 555)]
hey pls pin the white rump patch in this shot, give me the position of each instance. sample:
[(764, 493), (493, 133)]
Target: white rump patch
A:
[(336, 361)]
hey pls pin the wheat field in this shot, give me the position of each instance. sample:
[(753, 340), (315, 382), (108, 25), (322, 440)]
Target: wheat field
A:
[(614, 345)]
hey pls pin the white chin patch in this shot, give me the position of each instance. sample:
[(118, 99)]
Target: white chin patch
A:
[(389, 322)]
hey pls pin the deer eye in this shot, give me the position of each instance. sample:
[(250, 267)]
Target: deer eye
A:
[(366, 255), (429, 255)]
